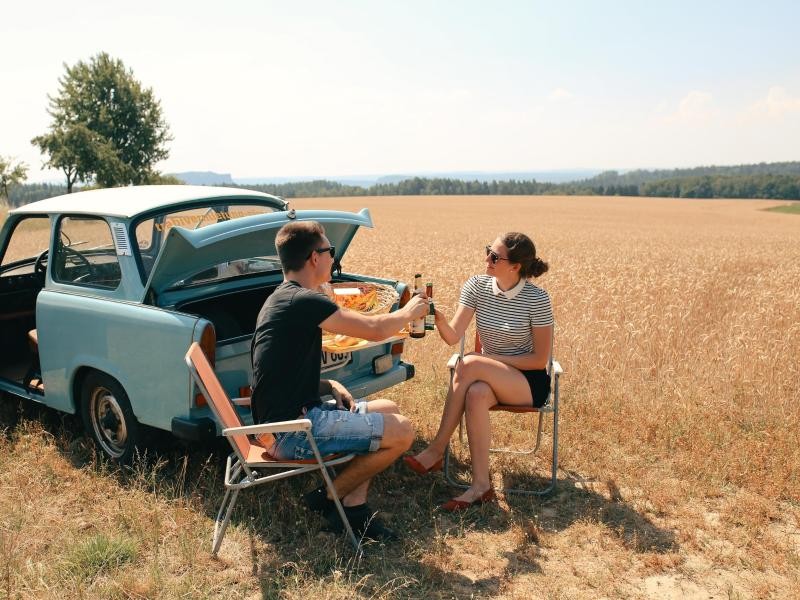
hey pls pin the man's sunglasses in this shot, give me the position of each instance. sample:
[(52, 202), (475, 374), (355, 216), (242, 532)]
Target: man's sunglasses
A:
[(330, 250), (493, 256)]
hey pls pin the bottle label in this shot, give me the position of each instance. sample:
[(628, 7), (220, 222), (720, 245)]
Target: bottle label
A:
[(430, 318)]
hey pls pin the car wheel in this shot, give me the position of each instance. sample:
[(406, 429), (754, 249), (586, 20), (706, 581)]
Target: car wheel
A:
[(108, 417)]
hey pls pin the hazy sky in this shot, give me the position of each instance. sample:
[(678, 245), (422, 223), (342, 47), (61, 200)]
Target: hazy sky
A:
[(268, 88)]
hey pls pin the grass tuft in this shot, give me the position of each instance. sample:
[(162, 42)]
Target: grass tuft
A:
[(792, 209), (98, 555)]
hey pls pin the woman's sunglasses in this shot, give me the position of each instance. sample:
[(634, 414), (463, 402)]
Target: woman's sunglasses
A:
[(330, 250), (493, 256)]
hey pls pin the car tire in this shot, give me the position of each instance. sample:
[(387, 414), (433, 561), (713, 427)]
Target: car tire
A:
[(108, 418)]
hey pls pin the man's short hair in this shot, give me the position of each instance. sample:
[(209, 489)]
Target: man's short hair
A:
[(296, 241)]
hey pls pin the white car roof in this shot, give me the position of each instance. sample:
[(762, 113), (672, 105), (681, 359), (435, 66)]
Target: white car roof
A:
[(133, 200)]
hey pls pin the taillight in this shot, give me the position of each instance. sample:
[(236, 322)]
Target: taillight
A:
[(208, 344), (397, 348)]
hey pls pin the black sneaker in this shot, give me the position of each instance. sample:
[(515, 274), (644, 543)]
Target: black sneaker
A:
[(364, 522), (317, 500)]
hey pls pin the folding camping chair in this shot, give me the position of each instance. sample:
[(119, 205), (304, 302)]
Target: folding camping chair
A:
[(244, 466), (549, 407)]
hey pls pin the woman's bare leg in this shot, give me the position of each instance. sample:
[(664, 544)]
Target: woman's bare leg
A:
[(508, 384), (480, 398), (451, 415), (497, 383)]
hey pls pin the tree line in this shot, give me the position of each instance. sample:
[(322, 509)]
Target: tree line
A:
[(772, 186), (776, 187)]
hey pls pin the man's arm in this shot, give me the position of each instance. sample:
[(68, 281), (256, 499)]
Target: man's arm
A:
[(375, 327)]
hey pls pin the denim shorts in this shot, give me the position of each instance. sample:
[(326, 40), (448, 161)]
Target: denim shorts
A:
[(335, 431)]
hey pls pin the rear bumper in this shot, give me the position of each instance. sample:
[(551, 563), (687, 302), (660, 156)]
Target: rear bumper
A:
[(371, 385), (196, 430)]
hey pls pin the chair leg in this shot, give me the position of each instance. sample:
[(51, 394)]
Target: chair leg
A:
[(221, 526), (447, 474), (329, 484)]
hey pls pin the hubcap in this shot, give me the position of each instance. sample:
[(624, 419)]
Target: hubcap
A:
[(108, 422)]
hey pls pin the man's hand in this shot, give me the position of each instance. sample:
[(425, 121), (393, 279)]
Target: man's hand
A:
[(417, 307), (344, 399)]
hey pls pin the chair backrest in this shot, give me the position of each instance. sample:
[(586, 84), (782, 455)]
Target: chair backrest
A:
[(218, 400)]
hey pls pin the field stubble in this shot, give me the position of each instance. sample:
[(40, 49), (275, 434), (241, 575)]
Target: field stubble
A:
[(678, 325)]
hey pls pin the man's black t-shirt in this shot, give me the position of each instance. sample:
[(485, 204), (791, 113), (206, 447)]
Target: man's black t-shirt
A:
[(286, 352)]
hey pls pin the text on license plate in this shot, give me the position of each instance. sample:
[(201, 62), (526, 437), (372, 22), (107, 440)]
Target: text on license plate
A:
[(334, 360)]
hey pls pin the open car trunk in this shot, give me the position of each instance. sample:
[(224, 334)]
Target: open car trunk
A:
[(234, 314), (225, 272)]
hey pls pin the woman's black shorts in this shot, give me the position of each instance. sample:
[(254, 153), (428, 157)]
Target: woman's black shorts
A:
[(539, 382)]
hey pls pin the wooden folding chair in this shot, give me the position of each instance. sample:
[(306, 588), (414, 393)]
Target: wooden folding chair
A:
[(244, 466), (549, 407)]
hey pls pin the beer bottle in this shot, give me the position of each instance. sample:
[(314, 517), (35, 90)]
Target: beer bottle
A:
[(418, 325), (430, 318)]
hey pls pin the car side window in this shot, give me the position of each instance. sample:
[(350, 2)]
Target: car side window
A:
[(85, 253), (29, 239)]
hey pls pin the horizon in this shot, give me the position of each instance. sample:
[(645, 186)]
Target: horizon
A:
[(275, 91)]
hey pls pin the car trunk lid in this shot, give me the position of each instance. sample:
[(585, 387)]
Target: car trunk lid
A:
[(188, 252)]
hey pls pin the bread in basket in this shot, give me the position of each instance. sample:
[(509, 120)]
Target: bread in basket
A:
[(364, 297)]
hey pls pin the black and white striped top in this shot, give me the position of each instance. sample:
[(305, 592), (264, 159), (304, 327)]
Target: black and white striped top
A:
[(504, 319)]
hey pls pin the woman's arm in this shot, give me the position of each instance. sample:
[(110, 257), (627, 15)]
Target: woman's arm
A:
[(453, 331), (538, 359)]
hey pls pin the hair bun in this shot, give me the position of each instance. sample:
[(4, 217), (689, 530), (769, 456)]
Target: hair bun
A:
[(538, 267)]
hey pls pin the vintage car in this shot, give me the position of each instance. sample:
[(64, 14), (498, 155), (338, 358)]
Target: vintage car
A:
[(103, 291)]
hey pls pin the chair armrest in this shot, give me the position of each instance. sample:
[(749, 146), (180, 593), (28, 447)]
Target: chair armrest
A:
[(279, 427), (557, 370), (451, 364), (240, 401)]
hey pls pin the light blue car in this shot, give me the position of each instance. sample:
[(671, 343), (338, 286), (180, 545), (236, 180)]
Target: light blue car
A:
[(102, 292)]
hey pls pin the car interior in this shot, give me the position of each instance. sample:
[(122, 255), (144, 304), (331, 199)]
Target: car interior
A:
[(22, 269)]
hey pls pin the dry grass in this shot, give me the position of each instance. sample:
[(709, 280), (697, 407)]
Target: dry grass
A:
[(678, 323)]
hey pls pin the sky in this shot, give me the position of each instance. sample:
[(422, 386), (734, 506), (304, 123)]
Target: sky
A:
[(319, 88)]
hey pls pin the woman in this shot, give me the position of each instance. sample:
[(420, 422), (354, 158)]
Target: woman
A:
[(514, 320)]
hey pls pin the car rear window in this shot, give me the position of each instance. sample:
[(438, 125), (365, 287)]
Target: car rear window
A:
[(151, 233)]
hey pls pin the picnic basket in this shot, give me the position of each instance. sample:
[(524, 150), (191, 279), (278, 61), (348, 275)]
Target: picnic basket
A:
[(371, 299)]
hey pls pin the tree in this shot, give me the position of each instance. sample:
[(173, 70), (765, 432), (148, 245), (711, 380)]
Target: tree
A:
[(11, 174), (106, 127)]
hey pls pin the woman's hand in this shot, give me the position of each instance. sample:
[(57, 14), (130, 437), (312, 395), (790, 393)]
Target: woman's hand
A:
[(344, 399)]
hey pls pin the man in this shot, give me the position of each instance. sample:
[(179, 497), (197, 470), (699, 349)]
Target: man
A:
[(286, 352)]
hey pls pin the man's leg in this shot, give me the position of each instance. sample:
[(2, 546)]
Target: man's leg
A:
[(353, 482), (359, 495)]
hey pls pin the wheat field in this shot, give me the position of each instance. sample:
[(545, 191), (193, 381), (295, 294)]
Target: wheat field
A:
[(678, 326)]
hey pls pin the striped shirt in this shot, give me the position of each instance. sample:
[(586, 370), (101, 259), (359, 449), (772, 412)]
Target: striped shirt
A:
[(504, 319)]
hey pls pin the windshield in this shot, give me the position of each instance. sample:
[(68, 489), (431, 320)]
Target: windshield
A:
[(151, 233)]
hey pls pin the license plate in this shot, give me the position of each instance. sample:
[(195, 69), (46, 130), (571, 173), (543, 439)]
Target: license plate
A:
[(334, 360)]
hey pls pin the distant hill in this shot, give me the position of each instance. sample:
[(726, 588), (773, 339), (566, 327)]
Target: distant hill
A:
[(204, 178)]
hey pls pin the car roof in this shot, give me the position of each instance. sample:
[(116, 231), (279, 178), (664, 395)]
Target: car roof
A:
[(135, 200)]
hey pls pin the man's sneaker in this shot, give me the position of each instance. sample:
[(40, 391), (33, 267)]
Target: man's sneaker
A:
[(364, 522), (317, 500)]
